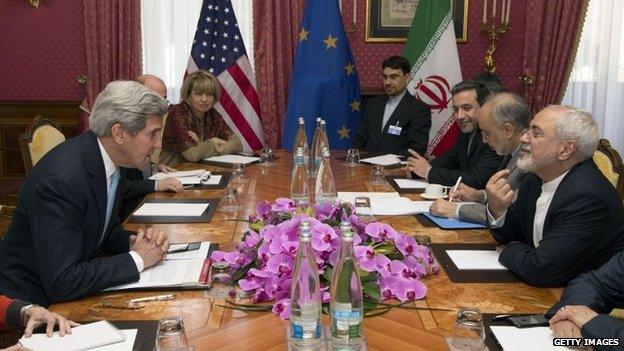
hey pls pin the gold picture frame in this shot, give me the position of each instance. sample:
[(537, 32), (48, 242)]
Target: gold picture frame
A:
[(381, 27)]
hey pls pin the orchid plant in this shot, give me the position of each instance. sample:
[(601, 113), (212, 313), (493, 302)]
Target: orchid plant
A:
[(391, 263)]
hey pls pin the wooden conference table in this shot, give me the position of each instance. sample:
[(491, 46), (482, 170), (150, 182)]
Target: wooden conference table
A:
[(210, 327)]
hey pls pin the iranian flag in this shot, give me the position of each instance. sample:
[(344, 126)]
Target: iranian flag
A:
[(432, 49)]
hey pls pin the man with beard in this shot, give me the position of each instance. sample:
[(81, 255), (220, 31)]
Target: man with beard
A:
[(470, 157), (396, 121), (503, 119), (568, 217)]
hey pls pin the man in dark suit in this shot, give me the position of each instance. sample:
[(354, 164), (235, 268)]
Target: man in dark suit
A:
[(396, 121), (568, 217), (503, 119), (470, 157), (67, 209), (584, 308)]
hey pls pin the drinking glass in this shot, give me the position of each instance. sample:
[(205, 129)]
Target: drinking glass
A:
[(469, 334), (238, 172), (353, 157), (378, 173), (170, 335), (229, 202), (267, 157)]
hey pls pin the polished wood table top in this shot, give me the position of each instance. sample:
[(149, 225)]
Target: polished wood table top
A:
[(212, 327)]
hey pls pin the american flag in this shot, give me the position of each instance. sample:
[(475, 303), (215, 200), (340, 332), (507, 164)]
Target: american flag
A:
[(219, 49)]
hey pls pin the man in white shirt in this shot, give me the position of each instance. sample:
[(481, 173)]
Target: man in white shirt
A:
[(567, 218), (68, 205), (396, 121)]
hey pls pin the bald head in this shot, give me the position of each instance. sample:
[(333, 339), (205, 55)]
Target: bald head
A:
[(154, 83)]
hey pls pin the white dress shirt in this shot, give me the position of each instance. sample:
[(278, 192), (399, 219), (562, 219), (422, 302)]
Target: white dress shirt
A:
[(110, 168), (541, 207)]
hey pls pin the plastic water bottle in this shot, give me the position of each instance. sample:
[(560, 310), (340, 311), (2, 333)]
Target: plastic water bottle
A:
[(323, 139), (301, 141), (299, 187), (315, 151), (346, 307), (325, 189), (305, 293)]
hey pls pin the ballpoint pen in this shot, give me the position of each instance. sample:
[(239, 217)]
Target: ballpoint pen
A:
[(155, 298), (455, 187)]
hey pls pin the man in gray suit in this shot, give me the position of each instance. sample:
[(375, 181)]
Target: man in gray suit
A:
[(502, 120)]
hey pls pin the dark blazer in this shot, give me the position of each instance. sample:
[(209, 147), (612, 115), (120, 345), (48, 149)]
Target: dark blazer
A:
[(477, 212), (135, 189), (583, 228), (475, 168), (601, 290), (413, 116), (49, 251)]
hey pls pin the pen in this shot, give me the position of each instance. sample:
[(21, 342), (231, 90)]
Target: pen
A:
[(155, 298), (188, 186), (500, 317), (455, 187)]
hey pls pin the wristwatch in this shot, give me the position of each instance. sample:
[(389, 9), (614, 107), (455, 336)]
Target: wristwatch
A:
[(23, 313)]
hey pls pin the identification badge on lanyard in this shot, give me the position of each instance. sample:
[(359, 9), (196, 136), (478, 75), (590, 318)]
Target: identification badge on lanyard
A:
[(395, 130)]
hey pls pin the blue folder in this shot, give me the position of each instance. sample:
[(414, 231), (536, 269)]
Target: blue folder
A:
[(447, 223)]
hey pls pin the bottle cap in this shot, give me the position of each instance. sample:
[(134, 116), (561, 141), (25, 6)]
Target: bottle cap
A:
[(301, 120)]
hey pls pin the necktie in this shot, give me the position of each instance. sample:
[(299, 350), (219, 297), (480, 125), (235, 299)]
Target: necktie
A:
[(110, 201)]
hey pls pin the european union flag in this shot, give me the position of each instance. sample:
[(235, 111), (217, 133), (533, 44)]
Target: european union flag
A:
[(324, 81)]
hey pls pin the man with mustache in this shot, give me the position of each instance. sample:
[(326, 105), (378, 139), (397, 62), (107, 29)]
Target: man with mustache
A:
[(503, 119), (470, 157), (396, 121), (568, 217)]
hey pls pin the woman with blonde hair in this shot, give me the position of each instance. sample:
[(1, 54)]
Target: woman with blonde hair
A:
[(194, 130)]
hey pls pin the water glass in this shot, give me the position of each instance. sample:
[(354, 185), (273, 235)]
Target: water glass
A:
[(229, 202), (353, 157), (238, 172), (469, 334), (267, 157), (378, 174), (170, 335)]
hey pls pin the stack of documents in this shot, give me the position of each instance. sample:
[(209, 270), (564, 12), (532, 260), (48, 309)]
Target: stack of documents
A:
[(188, 269), (233, 159), (386, 204), (384, 160), (193, 177), (99, 336)]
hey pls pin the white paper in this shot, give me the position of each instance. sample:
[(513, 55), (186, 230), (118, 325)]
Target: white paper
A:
[(384, 160), (386, 204), (522, 339), (411, 183), (202, 252), (83, 337), (233, 159), (169, 273), (171, 209), (196, 173), (127, 345), (476, 259)]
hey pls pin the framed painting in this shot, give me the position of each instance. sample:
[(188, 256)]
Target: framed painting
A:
[(390, 20)]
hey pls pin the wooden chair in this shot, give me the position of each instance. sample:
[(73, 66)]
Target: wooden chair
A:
[(610, 164), (42, 135)]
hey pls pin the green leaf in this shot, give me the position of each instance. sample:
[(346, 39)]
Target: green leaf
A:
[(371, 289)]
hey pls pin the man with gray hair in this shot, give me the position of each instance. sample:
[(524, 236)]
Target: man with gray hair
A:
[(67, 209), (568, 218), (503, 119)]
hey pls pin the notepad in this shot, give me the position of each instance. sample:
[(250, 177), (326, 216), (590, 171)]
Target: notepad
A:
[(233, 159), (384, 160), (475, 259), (411, 183), (386, 204), (83, 337), (450, 223), (522, 339), (169, 274), (171, 209), (200, 253), (126, 345), (196, 173)]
